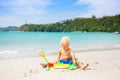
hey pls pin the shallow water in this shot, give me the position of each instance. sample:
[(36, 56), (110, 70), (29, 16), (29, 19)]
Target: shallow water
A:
[(28, 44)]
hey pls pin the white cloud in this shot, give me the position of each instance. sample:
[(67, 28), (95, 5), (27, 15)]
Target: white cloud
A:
[(100, 8), (27, 7), (25, 3), (10, 21), (19, 11)]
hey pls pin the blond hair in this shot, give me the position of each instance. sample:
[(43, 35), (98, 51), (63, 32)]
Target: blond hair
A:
[(65, 41)]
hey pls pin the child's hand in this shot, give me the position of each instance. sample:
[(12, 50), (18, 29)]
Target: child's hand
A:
[(56, 62), (74, 61)]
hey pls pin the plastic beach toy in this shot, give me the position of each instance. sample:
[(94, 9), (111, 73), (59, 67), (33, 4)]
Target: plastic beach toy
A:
[(42, 54), (72, 66), (59, 65)]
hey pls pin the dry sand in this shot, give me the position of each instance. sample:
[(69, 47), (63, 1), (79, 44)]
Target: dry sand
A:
[(103, 65)]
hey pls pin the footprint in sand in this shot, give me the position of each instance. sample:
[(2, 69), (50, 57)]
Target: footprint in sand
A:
[(30, 73), (96, 63)]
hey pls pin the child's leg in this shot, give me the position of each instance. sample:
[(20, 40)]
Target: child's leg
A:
[(85, 66), (43, 65), (81, 65)]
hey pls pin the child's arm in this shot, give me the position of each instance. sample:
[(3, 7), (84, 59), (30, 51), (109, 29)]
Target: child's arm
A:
[(73, 57), (58, 56)]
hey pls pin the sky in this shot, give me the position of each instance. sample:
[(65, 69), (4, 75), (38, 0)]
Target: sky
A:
[(19, 12)]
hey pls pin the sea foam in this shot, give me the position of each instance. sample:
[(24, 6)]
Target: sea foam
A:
[(8, 51)]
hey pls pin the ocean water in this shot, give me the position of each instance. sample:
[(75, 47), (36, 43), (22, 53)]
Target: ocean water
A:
[(29, 44)]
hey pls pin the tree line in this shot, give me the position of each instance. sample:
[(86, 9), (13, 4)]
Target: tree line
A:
[(93, 24), (9, 28)]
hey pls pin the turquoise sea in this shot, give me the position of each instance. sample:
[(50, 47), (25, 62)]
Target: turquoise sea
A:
[(29, 44)]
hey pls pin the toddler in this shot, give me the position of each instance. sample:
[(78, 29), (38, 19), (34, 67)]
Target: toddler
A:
[(66, 55)]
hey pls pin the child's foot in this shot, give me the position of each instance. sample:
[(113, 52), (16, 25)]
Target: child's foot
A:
[(43, 65), (85, 66)]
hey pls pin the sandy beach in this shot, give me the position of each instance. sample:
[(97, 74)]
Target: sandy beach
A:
[(103, 65)]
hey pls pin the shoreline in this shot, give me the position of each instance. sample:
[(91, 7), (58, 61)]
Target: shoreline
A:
[(92, 50), (85, 51), (50, 54)]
